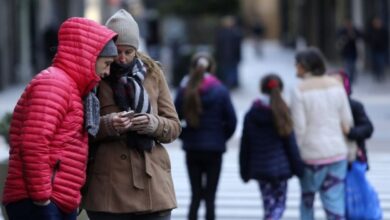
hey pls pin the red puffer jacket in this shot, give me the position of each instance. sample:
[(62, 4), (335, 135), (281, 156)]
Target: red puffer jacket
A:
[(48, 143)]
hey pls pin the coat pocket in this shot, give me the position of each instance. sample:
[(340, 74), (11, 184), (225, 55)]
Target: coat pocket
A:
[(56, 168)]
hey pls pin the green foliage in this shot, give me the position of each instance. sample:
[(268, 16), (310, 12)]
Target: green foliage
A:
[(4, 125)]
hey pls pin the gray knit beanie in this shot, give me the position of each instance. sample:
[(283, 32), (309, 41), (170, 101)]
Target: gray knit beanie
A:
[(127, 28), (109, 50)]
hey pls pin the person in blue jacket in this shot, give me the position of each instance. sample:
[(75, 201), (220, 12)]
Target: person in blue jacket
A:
[(363, 127), (269, 152), (204, 105)]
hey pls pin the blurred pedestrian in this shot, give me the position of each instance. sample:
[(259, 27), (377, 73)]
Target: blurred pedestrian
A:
[(50, 42), (210, 120), (377, 40), (228, 51), (363, 127), (129, 174), (153, 39), (321, 117), (269, 152), (347, 39), (49, 138), (258, 31)]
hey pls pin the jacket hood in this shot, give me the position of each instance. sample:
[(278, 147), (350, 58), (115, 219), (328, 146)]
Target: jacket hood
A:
[(209, 89), (80, 42), (208, 82)]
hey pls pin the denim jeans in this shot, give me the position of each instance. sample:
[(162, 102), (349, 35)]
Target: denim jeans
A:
[(27, 210), (350, 68), (229, 74), (378, 64)]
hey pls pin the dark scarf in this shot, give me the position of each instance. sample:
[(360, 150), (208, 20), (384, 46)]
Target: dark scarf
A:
[(126, 82)]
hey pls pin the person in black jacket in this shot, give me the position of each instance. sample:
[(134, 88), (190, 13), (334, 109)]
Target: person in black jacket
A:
[(203, 103), (269, 153), (348, 36), (377, 37), (228, 51), (363, 127)]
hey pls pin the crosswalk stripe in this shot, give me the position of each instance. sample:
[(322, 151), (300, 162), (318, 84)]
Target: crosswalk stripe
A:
[(239, 201)]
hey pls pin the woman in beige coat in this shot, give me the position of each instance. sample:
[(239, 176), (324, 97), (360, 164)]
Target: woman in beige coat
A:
[(129, 176)]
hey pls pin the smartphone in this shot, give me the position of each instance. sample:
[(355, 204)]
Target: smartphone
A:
[(129, 114)]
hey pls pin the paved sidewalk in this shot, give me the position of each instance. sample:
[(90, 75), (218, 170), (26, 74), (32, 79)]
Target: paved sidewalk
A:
[(236, 200)]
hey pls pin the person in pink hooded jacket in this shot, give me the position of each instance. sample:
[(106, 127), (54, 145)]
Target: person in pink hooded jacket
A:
[(51, 123)]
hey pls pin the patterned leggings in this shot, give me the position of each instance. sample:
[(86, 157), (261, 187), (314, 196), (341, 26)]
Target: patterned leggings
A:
[(328, 180), (274, 198)]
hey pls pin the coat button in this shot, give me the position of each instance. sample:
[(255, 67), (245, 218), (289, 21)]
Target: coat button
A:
[(123, 157)]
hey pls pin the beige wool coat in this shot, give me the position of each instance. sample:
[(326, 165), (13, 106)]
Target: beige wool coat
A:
[(121, 179)]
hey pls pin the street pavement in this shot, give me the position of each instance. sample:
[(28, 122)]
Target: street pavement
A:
[(239, 201)]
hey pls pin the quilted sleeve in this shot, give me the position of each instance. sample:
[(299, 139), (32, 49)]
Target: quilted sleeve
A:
[(244, 151), (229, 113), (363, 127)]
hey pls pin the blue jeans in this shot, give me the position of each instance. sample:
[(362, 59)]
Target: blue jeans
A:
[(378, 64), (27, 210), (328, 180), (350, 68), (229, 74)]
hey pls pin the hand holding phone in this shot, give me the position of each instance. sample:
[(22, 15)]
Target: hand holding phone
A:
[(129, 114)]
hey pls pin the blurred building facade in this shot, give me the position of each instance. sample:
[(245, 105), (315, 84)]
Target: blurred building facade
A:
[(262, 12), (28, 42), (315, 22), (312, 22), (23, 47)]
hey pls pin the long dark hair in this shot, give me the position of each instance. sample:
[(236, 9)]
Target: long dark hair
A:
[(311, 60), (192, 105), (272, 85)]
